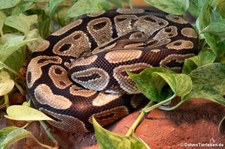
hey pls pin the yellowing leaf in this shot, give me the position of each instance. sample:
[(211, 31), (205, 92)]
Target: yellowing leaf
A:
[(24, 113), (6, 83), (109, 140), (10, 135)]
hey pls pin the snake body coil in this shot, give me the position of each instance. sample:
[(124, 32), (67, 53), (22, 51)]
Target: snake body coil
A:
[(79, 71)]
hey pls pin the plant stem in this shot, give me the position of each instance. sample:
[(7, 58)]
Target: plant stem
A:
[(148, 109), (130, 4), (20, 88), (46, 128), (11, 70), (172, 108), (6, 100), (139, 119), (145, 110)]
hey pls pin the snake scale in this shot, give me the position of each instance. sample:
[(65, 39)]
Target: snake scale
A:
[(79, 71)]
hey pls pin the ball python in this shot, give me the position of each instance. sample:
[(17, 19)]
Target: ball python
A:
[(79, 71)]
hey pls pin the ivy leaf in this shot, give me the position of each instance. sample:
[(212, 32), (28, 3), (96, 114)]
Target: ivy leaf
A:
[(85, 6), (204, 57), (2, 20), (12, 43), (24, 113), (118, 3), (22, 7), (8, 3), (219, 5), (21, 23), (53, 4), (10, 135), (177, 7), (195, 7), (204, 19), (6, 83), (217, 28), (180, 84), (148, 84), (207, 92), (109, 140), (212, 75), (221, 51)]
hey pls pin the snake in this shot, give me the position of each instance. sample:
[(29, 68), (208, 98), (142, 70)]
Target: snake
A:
[(79, 71)]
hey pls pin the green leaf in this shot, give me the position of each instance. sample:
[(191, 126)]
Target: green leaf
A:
[(24, 113), (6, 83), (148, 84), (195, 7), (85, 6), (53, 4), (21, 23), (16, 60), (22, 7), (221, 51), (11, 44), (177, 7), (217, 28), (219, 5), (8, 3), (212, 75), (180, 84), (10, 135), (118, 3), (2, 20), (204, 57), (33, 34), (205, 91), (109, 140), (205, 17)]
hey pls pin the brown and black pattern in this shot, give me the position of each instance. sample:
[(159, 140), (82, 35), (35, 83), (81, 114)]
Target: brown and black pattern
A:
[(79, 71)]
